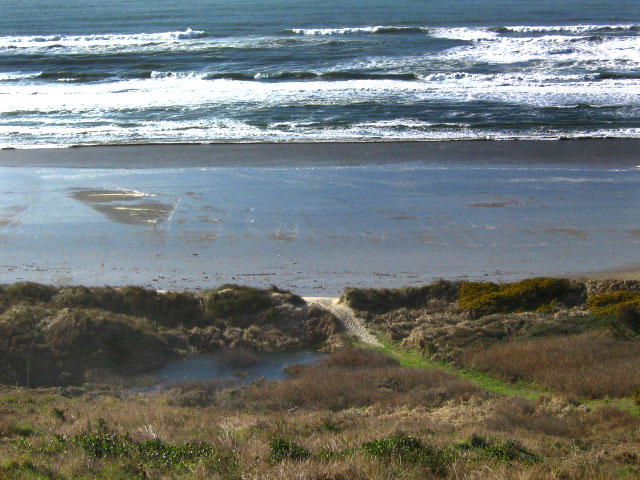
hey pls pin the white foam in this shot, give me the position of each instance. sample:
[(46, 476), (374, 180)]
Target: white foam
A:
[(48, 41), (464, 33), (620, 52), (570, 28), (356, 30)]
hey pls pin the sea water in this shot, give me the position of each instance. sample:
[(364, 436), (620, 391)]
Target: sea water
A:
[(134, 71)]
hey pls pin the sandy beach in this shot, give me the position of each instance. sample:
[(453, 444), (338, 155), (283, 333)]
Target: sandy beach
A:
[(317, 218)]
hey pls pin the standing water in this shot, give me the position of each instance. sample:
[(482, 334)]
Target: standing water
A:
[(219, 366)]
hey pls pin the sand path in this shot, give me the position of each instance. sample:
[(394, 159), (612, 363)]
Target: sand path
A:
[(347, 317)]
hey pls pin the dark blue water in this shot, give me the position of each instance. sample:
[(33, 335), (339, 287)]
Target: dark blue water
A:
[(86, 72)]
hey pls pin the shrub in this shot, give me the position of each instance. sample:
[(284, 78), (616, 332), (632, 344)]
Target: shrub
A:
[(486, 298), (624, 305), (385, 300), (281, 449), (103, 442), (28, 291), (230, 300), (408, 449)]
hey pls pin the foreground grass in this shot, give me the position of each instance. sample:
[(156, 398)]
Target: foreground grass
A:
[(394, 422)]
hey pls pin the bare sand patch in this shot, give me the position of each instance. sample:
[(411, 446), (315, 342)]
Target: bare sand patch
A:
[(128, 207), (574, 232), (634, 232), (9, 214), (283, 235), (142, 213)]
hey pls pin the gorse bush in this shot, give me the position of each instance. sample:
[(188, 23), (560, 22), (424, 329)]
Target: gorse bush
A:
[(609, 303), (486, 298)]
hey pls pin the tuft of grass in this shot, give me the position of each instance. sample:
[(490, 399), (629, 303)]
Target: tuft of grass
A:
[(58, 414), (102, 442), (22, 429), (502, 450), (281, 449), (359, 358), (485, 298), (408, 449)]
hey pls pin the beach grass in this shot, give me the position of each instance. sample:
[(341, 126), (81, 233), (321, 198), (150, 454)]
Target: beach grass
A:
[(395, 411)]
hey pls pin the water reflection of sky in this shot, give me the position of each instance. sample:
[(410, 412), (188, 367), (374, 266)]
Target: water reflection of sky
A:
[(316, 230), (268, 365)]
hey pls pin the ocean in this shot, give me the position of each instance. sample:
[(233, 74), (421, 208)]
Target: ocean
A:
[(84, 72)]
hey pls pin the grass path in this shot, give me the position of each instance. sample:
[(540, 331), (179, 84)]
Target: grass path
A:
[(494, 384), (409, 358)]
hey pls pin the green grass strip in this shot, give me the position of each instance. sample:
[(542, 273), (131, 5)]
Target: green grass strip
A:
[(492, 383)]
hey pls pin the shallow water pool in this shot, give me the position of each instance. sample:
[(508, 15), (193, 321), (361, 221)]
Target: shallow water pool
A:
[(222, 366)]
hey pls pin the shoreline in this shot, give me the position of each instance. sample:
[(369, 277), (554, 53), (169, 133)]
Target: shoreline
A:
[(315, 218), (610, 152)]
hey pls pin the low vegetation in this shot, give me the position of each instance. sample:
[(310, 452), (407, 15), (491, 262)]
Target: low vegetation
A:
[(543, 294), (355, 414), (582, 338), (418, 426), (586, 365), (69, 335)]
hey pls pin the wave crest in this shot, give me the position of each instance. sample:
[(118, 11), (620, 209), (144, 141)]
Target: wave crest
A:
[(98, 39), (379, 29)]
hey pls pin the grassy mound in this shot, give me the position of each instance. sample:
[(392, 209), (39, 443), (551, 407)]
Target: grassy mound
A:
[(60, 336), (374, 301)]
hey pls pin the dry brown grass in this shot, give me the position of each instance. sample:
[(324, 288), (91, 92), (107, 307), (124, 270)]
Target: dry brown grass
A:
[(595, 445), (347, 379), (586, 365), (572, 442)]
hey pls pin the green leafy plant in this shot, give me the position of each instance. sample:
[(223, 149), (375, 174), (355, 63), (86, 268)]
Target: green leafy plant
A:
[(103, 442), (408, 449), (282, 449)]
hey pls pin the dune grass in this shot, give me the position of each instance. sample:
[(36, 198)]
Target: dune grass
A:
[(583, 346), (456, 433), (70, 335)]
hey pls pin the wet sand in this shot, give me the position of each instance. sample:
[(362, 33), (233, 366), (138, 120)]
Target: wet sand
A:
[(318, 218), (589, 151)]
